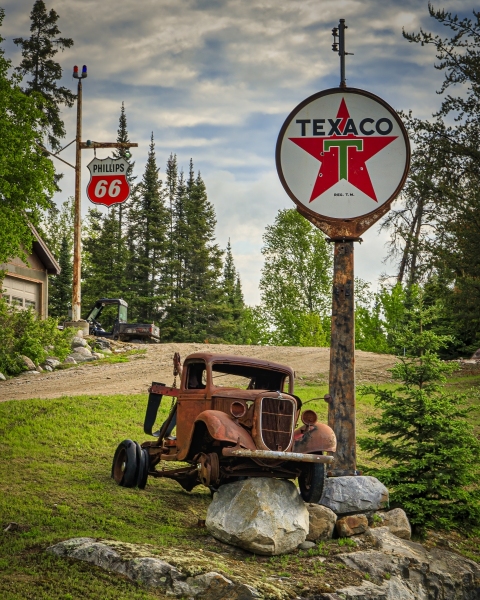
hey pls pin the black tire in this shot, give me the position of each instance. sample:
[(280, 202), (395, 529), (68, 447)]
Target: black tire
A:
[(312, 482), (124, 465), (143, 469)]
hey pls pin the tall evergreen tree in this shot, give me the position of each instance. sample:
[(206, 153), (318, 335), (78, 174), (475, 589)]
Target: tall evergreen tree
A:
[(233, 300), (60, 286), (195, 312), (122, 137), (38, 62), (104, 259), (148, 222)]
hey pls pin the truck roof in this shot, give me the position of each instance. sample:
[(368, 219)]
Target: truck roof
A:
[(209, 357)]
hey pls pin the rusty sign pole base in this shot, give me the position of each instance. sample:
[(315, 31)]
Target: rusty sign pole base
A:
[(341, 408)]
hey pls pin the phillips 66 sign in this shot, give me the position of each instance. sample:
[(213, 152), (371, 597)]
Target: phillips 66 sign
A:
[(108, 181), (342, 156)]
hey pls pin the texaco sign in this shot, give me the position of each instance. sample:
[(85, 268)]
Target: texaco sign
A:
[(342, 156)]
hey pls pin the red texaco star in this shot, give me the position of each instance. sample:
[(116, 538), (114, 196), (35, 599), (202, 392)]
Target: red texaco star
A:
[(343, 156)]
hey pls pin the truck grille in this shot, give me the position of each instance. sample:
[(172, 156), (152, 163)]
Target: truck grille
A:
[(276, 422)]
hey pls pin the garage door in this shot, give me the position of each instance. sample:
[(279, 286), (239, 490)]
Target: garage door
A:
[(22, 293)]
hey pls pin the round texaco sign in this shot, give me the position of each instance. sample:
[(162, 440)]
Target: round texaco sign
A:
[(342, 154)]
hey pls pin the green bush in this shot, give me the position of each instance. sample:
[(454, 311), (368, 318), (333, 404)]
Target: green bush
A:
[(428, 448), (23, 333)]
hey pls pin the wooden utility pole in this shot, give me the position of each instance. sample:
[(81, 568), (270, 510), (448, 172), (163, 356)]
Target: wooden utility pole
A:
[(77, 234)]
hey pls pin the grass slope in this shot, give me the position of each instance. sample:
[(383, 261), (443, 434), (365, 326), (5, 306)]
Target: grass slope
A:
[(55, 483)]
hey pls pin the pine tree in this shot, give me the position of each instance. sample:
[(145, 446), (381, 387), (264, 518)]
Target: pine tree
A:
[(147, 230), (104, 259), (233, 300), (60, 286), (194, 314), (38, 52), (428, 448), (122, 137)]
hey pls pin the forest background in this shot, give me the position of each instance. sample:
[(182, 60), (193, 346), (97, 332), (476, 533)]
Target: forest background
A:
[(158, 250)]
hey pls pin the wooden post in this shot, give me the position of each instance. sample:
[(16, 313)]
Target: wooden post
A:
[(77, 235), (341, 408)]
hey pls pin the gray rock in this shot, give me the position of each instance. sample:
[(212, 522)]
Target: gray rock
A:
[(261, 515), (2, 377), (154, 572), (397, 522), (82, 351), (79, 358), (102, 344), (78, 342), (28, 363), (97, 355), (69, 361), (349, 495), (306, 545), (47, 367), (40, 369), (52, 361), (321, 522)]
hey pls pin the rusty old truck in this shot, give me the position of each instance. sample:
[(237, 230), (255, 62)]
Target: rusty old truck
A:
[(231, 418)]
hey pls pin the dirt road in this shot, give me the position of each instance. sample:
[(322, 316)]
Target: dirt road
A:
[(135, 376)]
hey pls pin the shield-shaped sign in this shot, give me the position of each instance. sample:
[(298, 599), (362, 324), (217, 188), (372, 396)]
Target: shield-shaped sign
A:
[(108, 181)]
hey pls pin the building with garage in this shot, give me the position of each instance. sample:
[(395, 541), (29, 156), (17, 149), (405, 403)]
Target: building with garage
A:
[(26, 285)]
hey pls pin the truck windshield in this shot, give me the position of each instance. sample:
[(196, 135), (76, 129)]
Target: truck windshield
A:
[(122, 314), (247, 377)]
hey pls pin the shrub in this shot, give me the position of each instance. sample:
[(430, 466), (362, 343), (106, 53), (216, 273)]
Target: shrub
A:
[(23, 333), (423, 436)]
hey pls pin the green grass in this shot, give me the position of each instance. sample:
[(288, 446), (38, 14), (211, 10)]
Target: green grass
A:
[(55, 483)]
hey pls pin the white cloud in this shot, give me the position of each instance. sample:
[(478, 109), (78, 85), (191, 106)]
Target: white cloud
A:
[(215, 79)]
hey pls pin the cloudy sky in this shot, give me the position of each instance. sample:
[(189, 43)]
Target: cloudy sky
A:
[(215, 79)]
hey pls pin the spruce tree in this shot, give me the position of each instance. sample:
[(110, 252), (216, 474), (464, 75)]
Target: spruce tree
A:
[(104, 259), (147, 230), (194, 314), (60, 286), (427, 447), (38, 62), (233, 300), (122, 137)]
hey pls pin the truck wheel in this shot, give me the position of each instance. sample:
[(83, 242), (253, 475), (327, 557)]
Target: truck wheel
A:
[(124, 465), (312, 482), (143, 469)]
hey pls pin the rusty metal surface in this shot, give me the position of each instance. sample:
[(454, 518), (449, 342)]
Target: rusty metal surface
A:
[(164, 390), (315, 438), (278, 456), (224, 428), (341, 407)]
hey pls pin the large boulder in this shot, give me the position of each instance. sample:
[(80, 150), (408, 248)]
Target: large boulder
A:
[(153, 572), (261, 515), (412, 572), (52, 361), (321, 522), (2, 377), (350, 495)]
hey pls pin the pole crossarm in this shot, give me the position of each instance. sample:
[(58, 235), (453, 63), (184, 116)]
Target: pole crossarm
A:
[(54, 155), (88, 145)]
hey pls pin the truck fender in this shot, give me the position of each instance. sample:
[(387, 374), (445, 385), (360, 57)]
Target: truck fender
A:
[(314, 438), (223, 428)]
